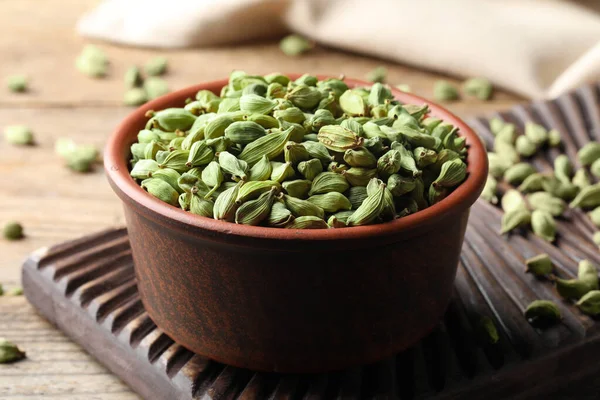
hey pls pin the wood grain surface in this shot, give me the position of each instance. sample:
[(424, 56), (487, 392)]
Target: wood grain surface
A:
[(38, 38)]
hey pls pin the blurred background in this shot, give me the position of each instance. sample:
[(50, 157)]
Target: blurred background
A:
[(528, 50)]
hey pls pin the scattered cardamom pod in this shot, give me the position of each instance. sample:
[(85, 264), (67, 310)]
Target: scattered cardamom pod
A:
[(581, 179), (563, 190), (9, 352), (133, 78), (478, 87), (92, 62), (536, 133), (17, 83), (485, 330), (295, 45), (514, 219), (377, 75), (489, 190), (563, 168), (444, 91), (546, 202), (554, 138), (540, 265), (19, 135), (571, 288), (517, 173), (588, 274), (543, 313), (589, 153), (525, 146), (13, 231), (135, 97), (512, 200), (588, 197), (590, 303), (532, 183), (156, 66), (543, 225)]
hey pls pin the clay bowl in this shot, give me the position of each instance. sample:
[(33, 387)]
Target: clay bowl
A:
[(292, 300)]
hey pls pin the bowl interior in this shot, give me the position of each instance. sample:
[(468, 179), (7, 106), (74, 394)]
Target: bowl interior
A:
[(116, 164)]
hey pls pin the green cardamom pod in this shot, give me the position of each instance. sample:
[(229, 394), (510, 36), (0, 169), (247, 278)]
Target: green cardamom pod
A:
[(308, 222), (170, 176), (571, 288), (547, 202), (260, 171), (514, 219), (353, 103), (228, 105), (176, 143), (595, 168), (407, 161), (184, 200), (327, 182), (17, 83), (253, 212), (489, 190), (258, 88), (485, 330), (497, 164), (424, 157), (512, 200), (337, 167), (9, 352), (437, 194), (356, 196), (588, 197), (525, 147), (276, 90), (507, 152), (199, 154), (297, 188), (414, 137), (563, 169), (507, 134), (19, 135), (596, 238), (253, 189), (543, 313), (496, 124), (266, 121), (335, 222), (379, 94), (244, 132), (338, 138), (304, 97), (226, 205), (560, 189), (281, 171), (536, 133), (532, 183), (172, 119), (176, 160), (232, 165), (543, 225), (293, 114), (540, 265), (594, 216), (333, 85), (143, 169), (255, 104), (590, 303), (216, 127), (370, 209), (589, 153), (295, 152), (356, 176), (360, 157), (155, 87), (400, 185), (319, 151), (377, 75), (279, 216), (270, 145), (300, 208), (331, 202), (200, 206), (135, 97), (517, 173), (321, 118), (12, 231), (444, 91), (479, 87), (161, 190), (277, 77), (588, 274), (213, 177), (148, 135), (554, 138), (453, 172), (310, 169), (389, 163), (156, 66), (372, 130)]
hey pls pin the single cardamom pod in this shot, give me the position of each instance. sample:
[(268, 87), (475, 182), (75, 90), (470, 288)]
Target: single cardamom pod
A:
[(155, 87), (295, 152), (17, 83), (213, 177), (400, 185), (143, 169), (588, 274), (200, 206), (525, 147), (360, 157), (279, 216), (560, 189), (135, 97), (293, 114), (389, 163), (9, 352), (161, 190), (479, 87), (496, 124), (266, 121), (590, 303), (172, 119), (300, 208), (540, 265), (156, 66), (255, 104), (370, 209), (594, 216), (304, 97), (244, 132), (258, 88), (424, 157), (170, 176), (307, 79), (295, 45), (512, 200), (308, 222), (228, 105), (19, 135), (232, 165), (507, 134), (331, 202), (489, 190), (517, 173), (339, 139), (310, 169), (253, 212), (588, 197), (554, 138), (507, 152), (571, 288), (547, 202), (319, 151), (281, 171), (199, 154), (226, 205), (12, 231), (437, 194), (270, 145), (589, 153), (147, 136), (532, 183), (92, 62), (335, 222), (444, 91), (377, 75), (184, 200), (563, 169), (514, 219), (407, 161), (359, 176), (253, 189), (595, 168), (536, 133), (353, 103), (356, 196), (176, 144), (497, 165), (379, 95), (543, 313), (372, 130), (327, 182), (261, 171), (297, 188), (414, 136), (453, 172), (152, 148), (321, 118), (216, 127), (543, 225)]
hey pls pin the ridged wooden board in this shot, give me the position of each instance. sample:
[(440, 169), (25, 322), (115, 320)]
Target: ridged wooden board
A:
[(87, 288)]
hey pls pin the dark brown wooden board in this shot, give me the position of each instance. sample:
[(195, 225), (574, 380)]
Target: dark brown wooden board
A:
[(87, 289)]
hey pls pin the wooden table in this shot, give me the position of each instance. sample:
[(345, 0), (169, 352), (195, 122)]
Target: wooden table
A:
[(38, 38)]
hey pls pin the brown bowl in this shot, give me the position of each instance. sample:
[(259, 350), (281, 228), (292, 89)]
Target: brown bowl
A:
[(288, 300)]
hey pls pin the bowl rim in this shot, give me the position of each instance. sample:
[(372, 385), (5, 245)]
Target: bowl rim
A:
[(116, 167)]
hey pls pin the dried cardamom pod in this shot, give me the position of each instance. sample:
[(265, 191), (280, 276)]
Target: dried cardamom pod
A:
[(255, 104), (294, 45), (12, 231), (155, 87), (557, 188), (304, 97), (135, 97), (453, 172), (543, 313), (589, 153), (588, 197), (253, 212), (517, 173), (331, 202), (172, 119), (489, 190), (297, 188), (512, 200), (444, 91), (360, 157), (554, 138), (199, 154), (213, 177), (532, 183), (200, 206), (370, 209), (279, 216), (547, 202), (536, 133), (379, 95), (300, 208), (17, 83), (508, 152), (9, 352), (496, 124), (261, 171), (540, 265), (144, 169), (594, 216), (232, 165), (244, 132), (359, 176), (19, 135), (310, 169), (571, 288), (184, 200), (156, 66), (216, 127), (170, 176), (327, 182), (295, 152), (563, 169), (270, 145), (424, 157), (308, 222), (161, 190), (596, 238), (514, 219), (389, 163), (266, 121), (353, 103), (400, 185), (293, 114), (338, 138), (356, 196), (588, 274), (525, 147), (226, 205), (478, 87), (252, 190), (543, 225), (590, 303), (497, 165), (507, 134), (281, 171)]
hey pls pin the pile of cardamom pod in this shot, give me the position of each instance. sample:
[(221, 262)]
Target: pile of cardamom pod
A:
[(304, 154)]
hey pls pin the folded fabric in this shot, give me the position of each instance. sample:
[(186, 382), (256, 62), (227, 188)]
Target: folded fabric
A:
[(538, 48)]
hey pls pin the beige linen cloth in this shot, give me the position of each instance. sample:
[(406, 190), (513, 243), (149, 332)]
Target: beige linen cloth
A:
[(538, 48)]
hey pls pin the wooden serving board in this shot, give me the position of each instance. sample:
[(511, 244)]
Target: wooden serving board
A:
[(87, 289)]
